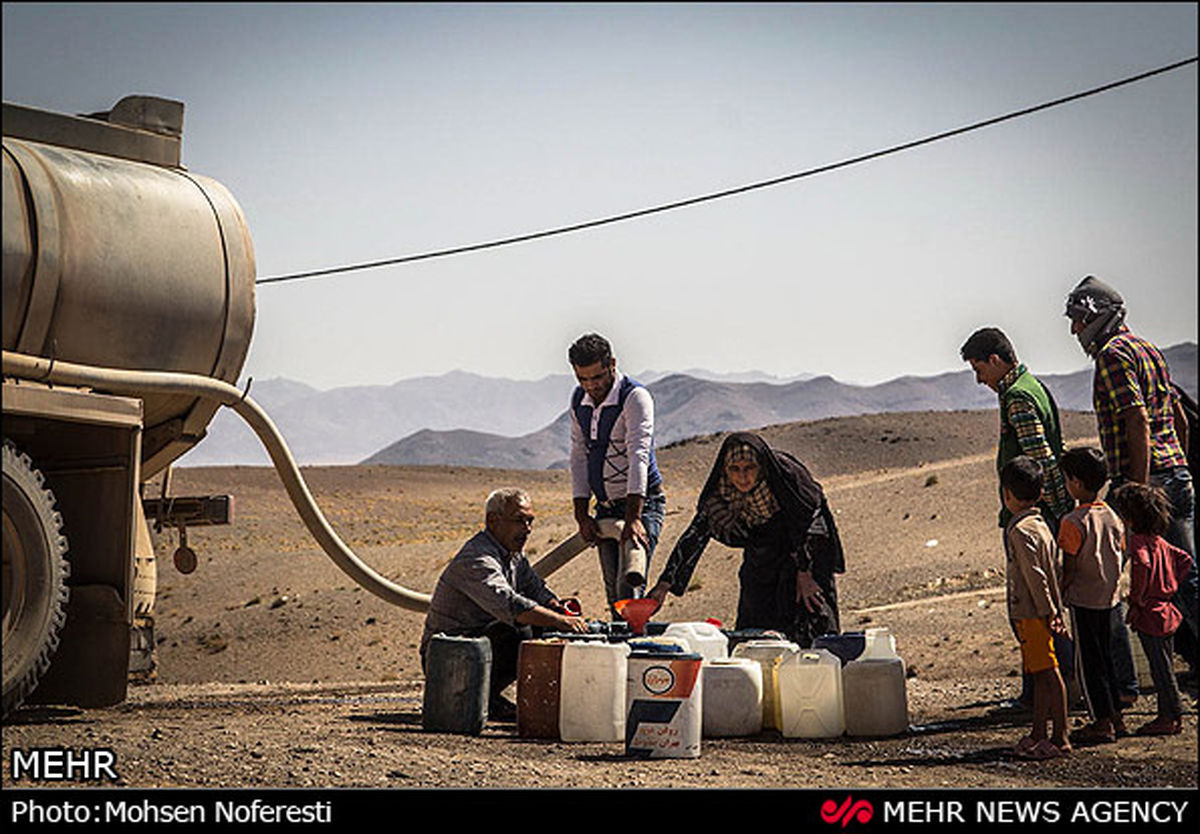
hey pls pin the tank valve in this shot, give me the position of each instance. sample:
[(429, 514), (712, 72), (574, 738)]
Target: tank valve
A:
[(185, 557)]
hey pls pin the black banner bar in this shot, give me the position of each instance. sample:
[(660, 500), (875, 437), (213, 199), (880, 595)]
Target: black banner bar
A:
[(814, 810)]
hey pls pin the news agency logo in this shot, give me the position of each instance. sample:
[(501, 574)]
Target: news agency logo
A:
[(848, 812)]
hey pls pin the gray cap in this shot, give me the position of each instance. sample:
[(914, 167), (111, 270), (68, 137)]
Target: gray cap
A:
[(1099, 308), (1091, 298)]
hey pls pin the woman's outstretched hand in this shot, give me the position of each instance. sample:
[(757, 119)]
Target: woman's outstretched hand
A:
[(808, 591), (659, 593)]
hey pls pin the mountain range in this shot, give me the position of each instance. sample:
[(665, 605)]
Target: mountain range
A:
[(465, 419)]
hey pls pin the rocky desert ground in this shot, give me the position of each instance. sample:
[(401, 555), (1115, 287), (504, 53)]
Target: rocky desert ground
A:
[(276, 670)]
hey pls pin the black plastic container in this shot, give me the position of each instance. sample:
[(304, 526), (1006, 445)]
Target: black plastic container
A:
[(458, 676)]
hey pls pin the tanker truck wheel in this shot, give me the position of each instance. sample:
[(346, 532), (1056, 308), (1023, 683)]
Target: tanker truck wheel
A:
[(35, 575)]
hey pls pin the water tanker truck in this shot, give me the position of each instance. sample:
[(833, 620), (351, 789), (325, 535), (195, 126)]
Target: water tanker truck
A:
[(114, 256), (128, 309)]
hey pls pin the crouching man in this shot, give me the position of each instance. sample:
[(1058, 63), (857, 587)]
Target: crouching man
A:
[(490, 590)]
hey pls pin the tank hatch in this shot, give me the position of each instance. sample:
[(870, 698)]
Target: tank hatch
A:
[(141, 128)]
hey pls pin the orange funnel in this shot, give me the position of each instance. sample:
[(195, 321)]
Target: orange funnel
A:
[(636, 612)]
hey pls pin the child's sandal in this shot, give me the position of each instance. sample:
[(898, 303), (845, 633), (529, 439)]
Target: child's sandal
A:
[(1094, 733), (1025, 745), (1045, 749)]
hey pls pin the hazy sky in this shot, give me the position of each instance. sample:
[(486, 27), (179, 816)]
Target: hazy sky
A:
[(352, 133)]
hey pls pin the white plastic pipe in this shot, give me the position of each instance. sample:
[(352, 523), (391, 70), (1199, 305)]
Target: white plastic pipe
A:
[(632, 558), (140, 383)]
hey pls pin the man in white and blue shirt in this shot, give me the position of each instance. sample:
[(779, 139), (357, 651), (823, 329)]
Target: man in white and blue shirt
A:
[(612, 459)]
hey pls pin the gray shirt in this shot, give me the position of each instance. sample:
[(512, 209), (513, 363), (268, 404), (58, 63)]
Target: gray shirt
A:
[(483, 583)]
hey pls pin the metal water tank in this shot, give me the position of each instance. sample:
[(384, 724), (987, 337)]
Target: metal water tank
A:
[(115, 255)]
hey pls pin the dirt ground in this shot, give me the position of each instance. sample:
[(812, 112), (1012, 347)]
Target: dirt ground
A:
[(276, 670)]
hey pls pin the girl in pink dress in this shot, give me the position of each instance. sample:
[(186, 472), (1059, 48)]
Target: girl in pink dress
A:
[(1155, 571)]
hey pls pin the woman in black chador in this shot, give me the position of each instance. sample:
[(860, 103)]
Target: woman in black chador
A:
[(766, 502)]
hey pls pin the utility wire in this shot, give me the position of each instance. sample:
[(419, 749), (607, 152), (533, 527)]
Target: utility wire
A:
[(561, 230)]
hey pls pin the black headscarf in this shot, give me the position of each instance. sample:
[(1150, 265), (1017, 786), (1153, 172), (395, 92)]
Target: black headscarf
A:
[(792, 486)]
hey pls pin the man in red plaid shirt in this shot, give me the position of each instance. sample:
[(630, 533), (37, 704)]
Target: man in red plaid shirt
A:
[(1143, 429)]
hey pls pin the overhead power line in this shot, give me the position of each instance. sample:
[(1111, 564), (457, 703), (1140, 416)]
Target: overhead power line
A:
[(617, 218)]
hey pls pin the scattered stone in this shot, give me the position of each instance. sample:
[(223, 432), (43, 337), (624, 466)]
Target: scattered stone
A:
[(212, 643)]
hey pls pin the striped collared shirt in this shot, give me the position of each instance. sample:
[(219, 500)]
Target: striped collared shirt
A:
[(1131, 373)]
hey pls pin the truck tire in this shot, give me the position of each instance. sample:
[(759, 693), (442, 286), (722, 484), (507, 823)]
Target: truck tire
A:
[(35, 576)]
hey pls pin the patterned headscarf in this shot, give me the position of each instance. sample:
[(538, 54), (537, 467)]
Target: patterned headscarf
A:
[(729, 509), (783, 483)]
